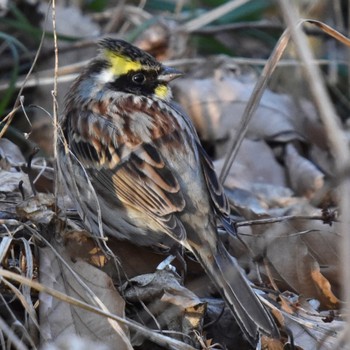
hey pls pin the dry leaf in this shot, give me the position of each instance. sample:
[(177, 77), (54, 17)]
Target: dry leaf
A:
[(38, 209), (10, 155), (310, 328), (216, 103), (304, 176), (59, 319), (271, 344), (163, 40), (70, 20), (174, 306), (294, 267), (255, 163), (9, 180), (73, 342), (79, 245)]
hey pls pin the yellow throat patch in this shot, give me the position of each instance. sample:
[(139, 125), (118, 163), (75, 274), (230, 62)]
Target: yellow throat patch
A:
[(162, 91)]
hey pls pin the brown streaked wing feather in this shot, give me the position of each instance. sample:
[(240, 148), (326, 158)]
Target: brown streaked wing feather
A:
[(144, 194), (216, 190), (140, 180)]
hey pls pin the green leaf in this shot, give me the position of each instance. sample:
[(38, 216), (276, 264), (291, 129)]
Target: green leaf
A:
[(97, 5)]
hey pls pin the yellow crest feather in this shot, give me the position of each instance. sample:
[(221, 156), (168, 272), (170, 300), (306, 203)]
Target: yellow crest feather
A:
[(121, 64)]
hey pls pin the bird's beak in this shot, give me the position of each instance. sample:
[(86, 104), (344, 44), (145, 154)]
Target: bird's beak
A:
[(168, 74)]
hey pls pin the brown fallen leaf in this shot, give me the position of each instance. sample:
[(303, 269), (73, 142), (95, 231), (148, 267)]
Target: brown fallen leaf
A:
[(38, 209), (304, 176), (216, 100), (271, 344), (59, 319), (79, 245), (10, 155), (164, 41), (255, 164), (294, 267), (172, 307), (74, 342), (310, 328)]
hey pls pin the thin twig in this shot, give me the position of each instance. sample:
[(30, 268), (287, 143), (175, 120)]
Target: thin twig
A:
[(253, 103), (54, 92), (262, 25), (280, 219), (261, 85), (70, 72)]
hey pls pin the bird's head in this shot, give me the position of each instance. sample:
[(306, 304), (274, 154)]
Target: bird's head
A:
[(123, 67)]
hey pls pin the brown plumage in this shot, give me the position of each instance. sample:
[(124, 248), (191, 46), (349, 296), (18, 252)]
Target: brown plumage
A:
[(136, 163)]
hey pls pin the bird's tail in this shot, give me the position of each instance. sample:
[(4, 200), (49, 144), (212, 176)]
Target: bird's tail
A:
[(234, 287)]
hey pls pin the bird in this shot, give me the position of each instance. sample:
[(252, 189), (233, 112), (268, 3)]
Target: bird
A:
[(136, 170)]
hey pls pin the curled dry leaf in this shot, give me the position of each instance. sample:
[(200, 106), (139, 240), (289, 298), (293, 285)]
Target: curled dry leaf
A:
[(323, 243), (246, 203), (38, 209), (305, 178), (292, 265), (216, 103), (11, 159), (257, 181), (60, 319), (173, 306), (10, 155), (255, 163), (10, 181)]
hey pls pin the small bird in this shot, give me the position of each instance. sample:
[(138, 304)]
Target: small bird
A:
[(136, 170)]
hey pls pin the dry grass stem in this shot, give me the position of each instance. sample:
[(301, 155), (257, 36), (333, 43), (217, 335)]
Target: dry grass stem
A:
[(280, 219), (212, 15), (16, 342), (159, 339), (253, 103), (260, 87), (337, 140)]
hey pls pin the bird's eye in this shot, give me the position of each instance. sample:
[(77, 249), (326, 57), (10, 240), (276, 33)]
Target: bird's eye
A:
[(139, 78)]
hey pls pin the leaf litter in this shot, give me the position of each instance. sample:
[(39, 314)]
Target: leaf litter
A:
[(283, 169)]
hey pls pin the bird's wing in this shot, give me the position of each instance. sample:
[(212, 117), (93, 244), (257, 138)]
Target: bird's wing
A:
[(128, 170), (216, 191)]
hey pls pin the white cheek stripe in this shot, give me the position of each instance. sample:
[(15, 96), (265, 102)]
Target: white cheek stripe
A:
[(105, 76)]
